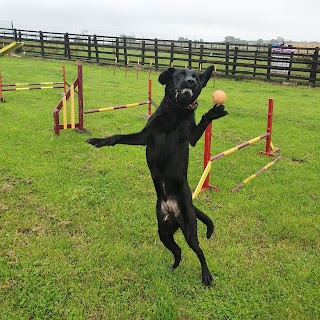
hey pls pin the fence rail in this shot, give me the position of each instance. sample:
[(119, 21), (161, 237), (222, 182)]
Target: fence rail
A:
[(296, 65)]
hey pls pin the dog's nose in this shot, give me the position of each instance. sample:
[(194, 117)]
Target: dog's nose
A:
[(190, 81)]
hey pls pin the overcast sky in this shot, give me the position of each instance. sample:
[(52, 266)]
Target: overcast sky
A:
[(210, 20)]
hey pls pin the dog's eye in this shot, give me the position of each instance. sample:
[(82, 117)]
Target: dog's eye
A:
[(180, 76)]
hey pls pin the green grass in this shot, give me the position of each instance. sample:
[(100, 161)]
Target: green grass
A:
[(78, 231)]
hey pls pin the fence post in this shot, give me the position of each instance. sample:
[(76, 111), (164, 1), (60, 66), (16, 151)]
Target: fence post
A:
[(171, 54), (201, 57), (117, 50), (19, 50), (15, 34), (290, 66), (190, 55), (125, 52), (143, 52), (67, 52), (41, 44), (156, 54), (89, 48), (96, 48), (255, 63), (314, 66), (20, 40), (269, 62), (227, 60), (235, 58)]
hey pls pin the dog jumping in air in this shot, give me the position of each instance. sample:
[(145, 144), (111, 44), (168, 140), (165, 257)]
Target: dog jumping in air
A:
[(167, 136)]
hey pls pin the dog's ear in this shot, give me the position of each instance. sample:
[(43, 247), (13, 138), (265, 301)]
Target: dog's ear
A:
[(166, 75), (205, 76)]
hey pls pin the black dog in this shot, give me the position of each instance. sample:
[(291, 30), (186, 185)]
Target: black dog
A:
[(167, 135)]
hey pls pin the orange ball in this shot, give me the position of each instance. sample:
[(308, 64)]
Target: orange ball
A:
[(219, 97)]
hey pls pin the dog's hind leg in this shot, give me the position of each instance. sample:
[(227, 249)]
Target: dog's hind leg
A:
[(190, 233), (206, 220), (166, 236)]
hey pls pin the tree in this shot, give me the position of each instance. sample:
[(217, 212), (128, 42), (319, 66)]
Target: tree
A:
[(232, 39), (280, 39), (229, 39)]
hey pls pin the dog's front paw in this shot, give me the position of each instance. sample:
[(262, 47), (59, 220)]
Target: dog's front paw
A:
[(97, 142), (216, 112), (101, 142)]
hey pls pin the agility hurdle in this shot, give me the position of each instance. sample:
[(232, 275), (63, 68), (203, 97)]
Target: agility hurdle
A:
[(32, 86), (80, 124), (204, 182), (62, 105)]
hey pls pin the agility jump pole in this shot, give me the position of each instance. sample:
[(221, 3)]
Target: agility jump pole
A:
[(256, 174), (149, 102), (32, 86), (62, 105), (204, 182)]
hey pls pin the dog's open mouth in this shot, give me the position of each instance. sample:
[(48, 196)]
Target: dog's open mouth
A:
[(186, 92), (184, 96)]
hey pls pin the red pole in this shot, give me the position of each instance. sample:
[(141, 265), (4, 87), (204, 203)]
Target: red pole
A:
[(207, 152), (56, 121), (269, 151), (80, 97), (269, 126)]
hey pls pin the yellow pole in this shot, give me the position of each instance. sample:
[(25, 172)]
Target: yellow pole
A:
[(120, 107), (72, 107), (64, 109), (203, 177)]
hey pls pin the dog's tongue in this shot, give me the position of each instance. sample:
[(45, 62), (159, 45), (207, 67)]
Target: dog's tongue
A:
[(193, 105)]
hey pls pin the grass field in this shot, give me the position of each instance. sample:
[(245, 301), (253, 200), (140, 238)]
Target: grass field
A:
[(78, 231)]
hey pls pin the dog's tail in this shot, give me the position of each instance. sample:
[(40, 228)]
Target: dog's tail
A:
[(206, 220)]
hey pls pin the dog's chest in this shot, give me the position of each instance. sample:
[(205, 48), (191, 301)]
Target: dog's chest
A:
[(172, 131), (169, 144), (170, 138)]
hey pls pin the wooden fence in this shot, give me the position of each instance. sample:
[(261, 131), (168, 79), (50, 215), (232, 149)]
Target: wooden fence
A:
[(296, 65)]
